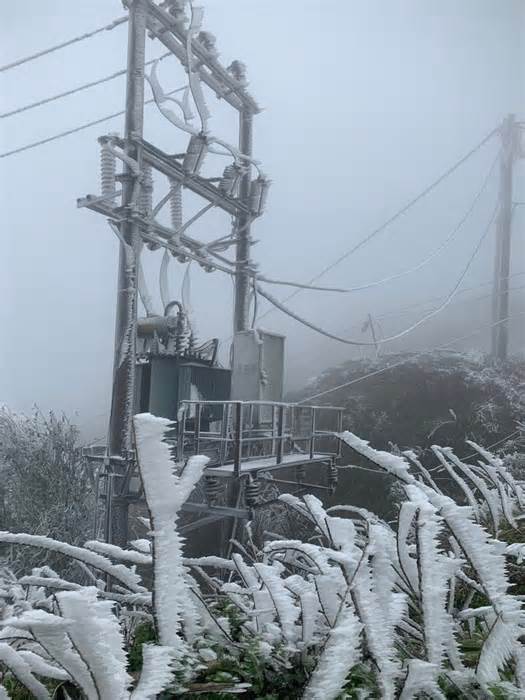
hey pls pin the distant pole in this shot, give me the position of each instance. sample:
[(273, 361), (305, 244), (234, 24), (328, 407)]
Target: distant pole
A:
[(120, 425), (242, 278), (373, 332), (500, 298)]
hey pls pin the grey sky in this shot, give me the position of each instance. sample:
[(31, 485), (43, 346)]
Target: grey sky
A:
[(365, 104)]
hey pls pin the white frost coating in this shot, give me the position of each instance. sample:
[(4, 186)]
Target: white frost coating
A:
[(142, 545), (488, 494), (42, 667), (22, 671), (287, 611), (165, 494), (121, 573), (486, 557), (96, 634), (408, 563), (112, 551), (156, 674), (435, 571), (339, 655), (421, 678), (310, 610), (441, 455), (391, 463), (517, 549)]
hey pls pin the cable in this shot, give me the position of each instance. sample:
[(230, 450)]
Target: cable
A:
[(62, 134), (356, 326), (408, 271), (412, 357), (406, 331), (395, 216), (76, 39), (408, 307), (73, 91)]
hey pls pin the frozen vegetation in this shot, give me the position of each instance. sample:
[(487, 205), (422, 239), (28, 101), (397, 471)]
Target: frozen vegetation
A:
[(428, 606)]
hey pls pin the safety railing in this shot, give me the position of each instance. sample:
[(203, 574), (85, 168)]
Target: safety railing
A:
[(234, 432)]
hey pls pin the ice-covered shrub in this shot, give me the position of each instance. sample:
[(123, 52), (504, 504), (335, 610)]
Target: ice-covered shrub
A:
[(362, 609)]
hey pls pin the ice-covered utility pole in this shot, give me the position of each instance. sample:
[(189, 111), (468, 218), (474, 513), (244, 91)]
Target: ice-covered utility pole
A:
[(120, 442), (500, 298), (242, 225), (126, 201)]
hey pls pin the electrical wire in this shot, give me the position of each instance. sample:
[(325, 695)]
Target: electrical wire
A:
[(412, 357), (395, 216), (75, 130), (76, 39), (409, 307), (79, 88), (409, 270), (406, 331)]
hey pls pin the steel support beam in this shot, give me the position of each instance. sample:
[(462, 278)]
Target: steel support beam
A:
[(242, 228), (120, 424)]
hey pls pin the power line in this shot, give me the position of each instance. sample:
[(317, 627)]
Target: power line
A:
[(408, 307), (410, 270), (404, 310), (74, 40), (411, 357), (75, 130), (73, 91), (406, 331), (395, 216)]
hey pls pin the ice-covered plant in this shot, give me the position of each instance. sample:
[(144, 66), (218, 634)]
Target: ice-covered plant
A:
[(361, 609)]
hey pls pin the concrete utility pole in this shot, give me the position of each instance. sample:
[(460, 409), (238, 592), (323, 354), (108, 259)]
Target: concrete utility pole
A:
[(500, 298), (242, 225), (120, 426)]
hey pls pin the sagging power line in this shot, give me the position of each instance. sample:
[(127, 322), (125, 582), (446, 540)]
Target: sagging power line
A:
[(63, 44)]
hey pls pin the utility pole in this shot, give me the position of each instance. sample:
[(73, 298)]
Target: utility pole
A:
[(120, 443), (131, 214), (242, 225), (500, 298)]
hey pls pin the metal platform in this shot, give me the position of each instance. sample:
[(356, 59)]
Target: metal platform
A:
[(265, 464), (241, 437)]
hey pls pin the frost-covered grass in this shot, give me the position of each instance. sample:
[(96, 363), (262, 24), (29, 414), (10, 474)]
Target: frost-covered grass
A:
[(364, 609)]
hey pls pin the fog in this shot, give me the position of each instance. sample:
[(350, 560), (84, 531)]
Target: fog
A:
[(365, 103)]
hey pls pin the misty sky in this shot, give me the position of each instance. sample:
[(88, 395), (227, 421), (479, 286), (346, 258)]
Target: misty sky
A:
[(365, 103)]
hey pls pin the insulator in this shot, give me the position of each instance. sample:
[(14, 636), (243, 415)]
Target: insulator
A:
[(229, 179), (182, 334), (300, 472), (176, 10), (146, 191), (108, 167), (252, 492), (175, 205), (209, 42), (195, 154), (333, 476), (212, 488), (238, 70), (259, 194), (192, 342)]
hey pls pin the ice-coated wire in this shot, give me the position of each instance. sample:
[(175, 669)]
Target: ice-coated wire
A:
[(75, 130), (395, 216), (56, 47), (406, 331), (412, 357), (73, 91)]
